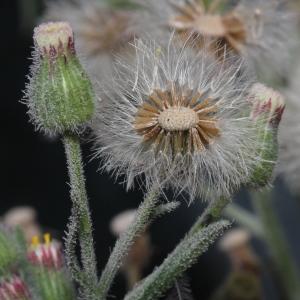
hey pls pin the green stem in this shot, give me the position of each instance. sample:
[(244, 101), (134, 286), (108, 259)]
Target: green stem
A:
[(144, 215), (183, 256), (81, 211), (212, 213), (278, 246)]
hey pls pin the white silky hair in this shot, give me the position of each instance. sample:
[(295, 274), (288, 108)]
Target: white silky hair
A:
[(218, 170)]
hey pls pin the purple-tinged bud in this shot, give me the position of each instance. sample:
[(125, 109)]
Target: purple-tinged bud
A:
[(59, 95), (54, 38), (268, 107), (268, 104), (14, 289)]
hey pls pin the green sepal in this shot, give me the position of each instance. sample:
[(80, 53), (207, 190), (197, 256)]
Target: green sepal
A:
[(268, 154), (61, 97)]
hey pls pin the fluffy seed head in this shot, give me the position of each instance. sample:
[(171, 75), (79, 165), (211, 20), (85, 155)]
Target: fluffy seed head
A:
[(178, 119)]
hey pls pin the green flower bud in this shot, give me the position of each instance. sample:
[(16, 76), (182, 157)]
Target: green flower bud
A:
[(60, 95), (8, 253), (268, 107)]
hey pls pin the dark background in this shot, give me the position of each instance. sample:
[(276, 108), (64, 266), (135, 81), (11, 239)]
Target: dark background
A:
[(34, 171)]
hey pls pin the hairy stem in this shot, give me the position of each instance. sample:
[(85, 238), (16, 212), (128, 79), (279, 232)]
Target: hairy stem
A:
[(144, 216), (183, 256), (80, 212), (212, 213), (278, 246)]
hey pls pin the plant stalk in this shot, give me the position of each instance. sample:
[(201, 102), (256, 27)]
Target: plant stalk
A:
[(285, 266), (80, 210), (144, 216)]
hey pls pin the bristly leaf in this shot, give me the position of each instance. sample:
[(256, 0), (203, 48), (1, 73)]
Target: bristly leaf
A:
[(181, 290), (183, 257)]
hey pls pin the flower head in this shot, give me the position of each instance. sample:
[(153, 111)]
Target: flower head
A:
[(101, 30), (261, 31), (14, 289), (48, 255), (178, 118)]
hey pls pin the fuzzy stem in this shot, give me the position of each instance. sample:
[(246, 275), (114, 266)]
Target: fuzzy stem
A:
[(145, 214), (278, 246), (211, 214), (80, 210), (183, 256)]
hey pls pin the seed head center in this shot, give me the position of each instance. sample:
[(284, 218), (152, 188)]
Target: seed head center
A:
[(178, 119)]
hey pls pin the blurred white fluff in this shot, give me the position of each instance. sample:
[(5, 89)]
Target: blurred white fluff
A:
[(100, 31), (215, 166), (264, 32), (289, 137)]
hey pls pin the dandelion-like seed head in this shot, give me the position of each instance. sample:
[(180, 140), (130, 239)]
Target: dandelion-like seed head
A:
[(177, 119), (182, 120)]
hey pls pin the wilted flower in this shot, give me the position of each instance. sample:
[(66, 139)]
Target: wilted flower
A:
[(14, 289), (177, 118), (259, 30), (100, 30)]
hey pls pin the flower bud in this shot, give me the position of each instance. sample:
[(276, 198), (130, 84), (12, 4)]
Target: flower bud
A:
[(60, 95), (268, 107), (14, 289), (52, 280)]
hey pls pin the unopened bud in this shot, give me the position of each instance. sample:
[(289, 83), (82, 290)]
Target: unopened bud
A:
[(60, 95), (268, 107)]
